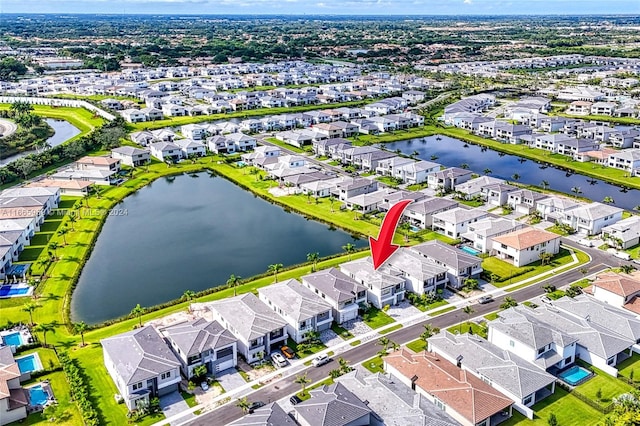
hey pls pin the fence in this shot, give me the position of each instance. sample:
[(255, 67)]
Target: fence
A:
[(604, 409)]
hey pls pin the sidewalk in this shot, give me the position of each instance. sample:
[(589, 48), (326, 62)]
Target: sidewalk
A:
[(298, 365)]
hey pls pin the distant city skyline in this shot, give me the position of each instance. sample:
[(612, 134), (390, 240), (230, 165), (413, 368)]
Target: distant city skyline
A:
[(329, 7)]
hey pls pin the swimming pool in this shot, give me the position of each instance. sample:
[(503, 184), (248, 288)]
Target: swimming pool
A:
[(29, 363), (470, 250), (13, 339), (11, 290), (38, 396), (241, 163), (575, 375)]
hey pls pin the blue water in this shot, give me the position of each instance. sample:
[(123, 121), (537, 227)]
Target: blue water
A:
[(13, 339), (27, 364), (574, 375), (470, 250), (38, 396), (8, 290)]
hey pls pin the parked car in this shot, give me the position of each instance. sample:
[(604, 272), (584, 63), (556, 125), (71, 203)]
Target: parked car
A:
[(622, 255), (636, 261), (278, 359), (585, 242), (485, 299), (204, 386), (288, 352), (255, 405), (320, 360), (295, 400)]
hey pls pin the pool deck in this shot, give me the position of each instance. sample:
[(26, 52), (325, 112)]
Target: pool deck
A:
[(5, 289), (24, 332), (47, 388), (37, 362)]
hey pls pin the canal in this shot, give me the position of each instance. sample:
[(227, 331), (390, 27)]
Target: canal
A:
[(453, 152), (190, 232)]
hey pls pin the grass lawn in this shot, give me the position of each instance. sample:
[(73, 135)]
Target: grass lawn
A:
[(425, 308), (417, 345), (376, 318), (341, 331), (491, 316), (391, 329), (304, 396), (68, 411), (189, 398), (510, 274), (557, 230), (466, 327), (610, 386), (285, 145), (634, 251), (81, 118), (308, 349), (375, 365), (628, 365)]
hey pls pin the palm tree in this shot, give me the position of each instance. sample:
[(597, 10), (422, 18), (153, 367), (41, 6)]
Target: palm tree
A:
[(608, 200), (467, 310), (515, 177), (406, 227), (487, 171), (544, 184), (54, 246), (63, 233), (30, 307), (576, 190), (429, 330), (627, 269), (464, 166), (384, 342), (434, 157), (80, 328), (332, 200), (509, 302), (545, 258), (313, 258), (233, 281), (275, 268), (73, 219), (243, 404), (303, 381), (637, 208), (45, 328), (188, 295), (138, 311), (349, 248)]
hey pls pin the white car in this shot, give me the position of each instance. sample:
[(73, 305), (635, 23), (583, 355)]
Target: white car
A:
[(320, 360), (278, 359), (204, 386), (585, 242), (622, 255)]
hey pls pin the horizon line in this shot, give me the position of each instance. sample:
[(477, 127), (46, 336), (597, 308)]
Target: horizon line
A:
[(327, 14)]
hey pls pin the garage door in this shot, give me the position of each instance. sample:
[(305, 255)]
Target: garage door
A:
[(225, 365), (349, 315), (168, 389)]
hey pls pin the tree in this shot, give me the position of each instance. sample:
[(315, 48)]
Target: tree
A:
[(30, 307), (138, 311), (243, 404), (199, 372), (21, 108), (344, 365), (54, 246), (552, 421), (545, 258), (429, 331), (233, 282), (44, 328), (509, 302), (303, 381), (349, 248), (515, 177), (188, 295), (469, 311), (544, 184), (72, 219), (608, 200), (11, 69), (464, 166), (470, 284), (25, 166), (62, 232), (576, 190), (384, 342), (275, 268), (80, 328), (313, 258), (626, 410), (487, 171), (627, 269), (332, 200), (406, 228), (574, 290)]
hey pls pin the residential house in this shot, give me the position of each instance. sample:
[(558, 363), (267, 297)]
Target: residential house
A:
[(469, 400), (592, 218), (173, 110), (574, 147), (628, 160), (350, 187), (617, 289), (321, 147), (332, 405), (420, 213), (197, 132), (388, 166), (554, 209), (473, 188), (73, 188), (98, 163), (242, 142), (580, 108), (453, 223), (257, 327), (460, 264), (13, 398), (623, 234), (497, 194), (143, 138), (201, 342), (191, 148), (133, 115), (447, 179), (603, 108), (524, 201), (382, 288), (343, 293), (504, 371), (270, 414), (481, 233), (166, 151), (303, 310), (221, 145), (421, 275), (526, 245), (93, 176), (415, 172), (141, 365), (624, 138), (131, 156), (152, 114)]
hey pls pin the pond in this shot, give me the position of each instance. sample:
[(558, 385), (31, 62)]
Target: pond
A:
[(191, 232), (452, 152)]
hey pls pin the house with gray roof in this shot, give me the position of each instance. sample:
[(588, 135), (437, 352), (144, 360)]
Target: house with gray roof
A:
[(480, 234), (164, 151), (304, 310), (382, 288), (333, 405), (524, 201), (420, 213), (141, 365), (350, 187), (258, 328), (497, 194), (392, 402), (421, 275), (554, 208), (447, 179), (473, 187), (592, 218), (460, 265), (415, 172), (453, 223), (343, 293), (202, 342), (505, 371), (269, 415), (131, 156), (626, 233)]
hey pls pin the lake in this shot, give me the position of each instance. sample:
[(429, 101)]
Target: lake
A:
[(191, 233), (452, 152)]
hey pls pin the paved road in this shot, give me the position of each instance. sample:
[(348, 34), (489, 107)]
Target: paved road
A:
[(282, 388), (7, 127)]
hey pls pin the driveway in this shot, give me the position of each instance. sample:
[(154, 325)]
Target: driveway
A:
[(402, 311), (230, 379), (173, 404), (330, 338)]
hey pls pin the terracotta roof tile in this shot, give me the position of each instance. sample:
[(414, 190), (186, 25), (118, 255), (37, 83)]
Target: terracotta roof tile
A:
[(621, 284), (525, 238)]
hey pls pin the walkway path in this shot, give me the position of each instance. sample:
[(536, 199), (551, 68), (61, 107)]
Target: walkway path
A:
[(7, 128)]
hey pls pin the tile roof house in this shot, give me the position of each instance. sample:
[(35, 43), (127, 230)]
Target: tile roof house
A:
[(623, 234), (303, 310), (516, 378), (13, 398), (592, 218), (342, 292), (202, 342), (481, 234), (616, 289), (332, 405), (525, 246), (463, 396), (258, 329), (141, 365)]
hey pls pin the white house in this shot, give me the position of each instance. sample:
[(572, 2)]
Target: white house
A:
[(191, 148), (623, 234), (525, 246), (617, 289), (453, 223), (13, 398), (164, 151), (592, 218), (343, 293), (131, 156), (382, 288)]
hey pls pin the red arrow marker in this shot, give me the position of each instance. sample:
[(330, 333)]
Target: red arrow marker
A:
[(382, 248)]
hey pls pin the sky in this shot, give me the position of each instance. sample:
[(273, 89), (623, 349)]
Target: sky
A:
[(333, 7)]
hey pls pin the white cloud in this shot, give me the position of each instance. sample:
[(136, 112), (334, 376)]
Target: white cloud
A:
[(468, 2)]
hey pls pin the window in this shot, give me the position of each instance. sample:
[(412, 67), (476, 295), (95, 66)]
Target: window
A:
[(137, 386), (527, 400), (540, 351), (165, 375), (512, 343)]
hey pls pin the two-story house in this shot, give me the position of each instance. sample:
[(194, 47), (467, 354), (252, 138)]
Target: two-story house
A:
[(343, 293), (526, 245), (447, 179), (421, 275), (453, 223), (460, 265), (382, 288), (131, 156), (592, 218), (165, 151), (13, 398)]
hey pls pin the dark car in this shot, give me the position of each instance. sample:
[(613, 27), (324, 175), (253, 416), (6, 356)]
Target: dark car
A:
[(295, 400), (485, 299), (255, 405)]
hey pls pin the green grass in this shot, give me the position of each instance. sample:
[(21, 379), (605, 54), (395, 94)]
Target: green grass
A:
[(30, 253), (285, 145), (445, 310), (628, 365), (304, 396), (308, 349), (491, 316), (417, 345), (634, 251), (355, 343), (510, 274), (375, 365), (470, 203), (81, 118), (466, 327), (569, 411), (425, 308), (69, 412), (48, 357), (189, 398), (391, 329), (376, 318), (244, 375), (341, 331), (556, 229), (610, 386)]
